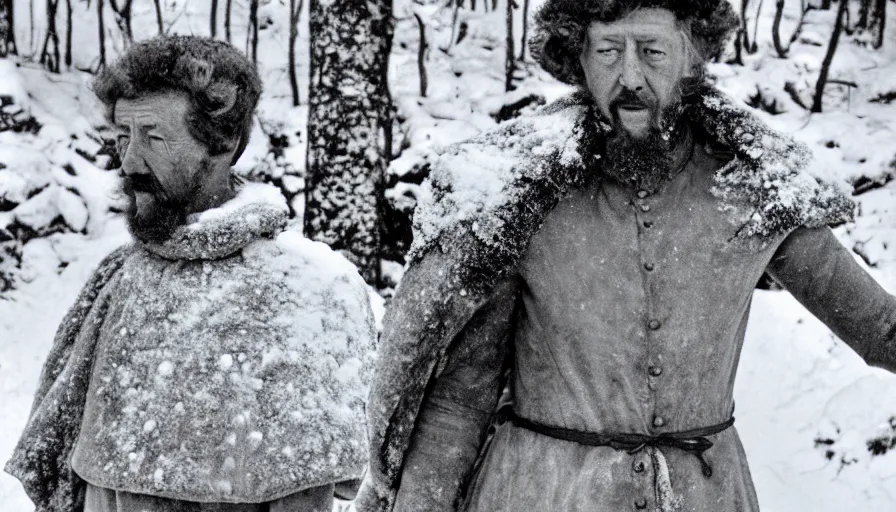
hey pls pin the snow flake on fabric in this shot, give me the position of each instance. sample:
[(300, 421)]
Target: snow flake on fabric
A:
[(241, 379), (234, 368)]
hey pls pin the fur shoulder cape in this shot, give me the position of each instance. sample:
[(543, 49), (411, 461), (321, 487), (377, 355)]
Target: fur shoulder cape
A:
[(489, 195), (41, 459)]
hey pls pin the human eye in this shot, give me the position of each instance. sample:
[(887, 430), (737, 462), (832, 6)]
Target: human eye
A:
[(654, 53), (607, 54), (122, 140)]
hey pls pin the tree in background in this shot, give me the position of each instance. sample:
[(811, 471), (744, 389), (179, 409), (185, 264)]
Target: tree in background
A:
[(349, 127), (123, 18), (295, 10), (213, 19), (829, 56), (7, 29), (101, 20), (252, 33), (49, 56)]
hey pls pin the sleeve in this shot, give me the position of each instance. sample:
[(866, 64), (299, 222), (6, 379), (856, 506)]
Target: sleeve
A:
[(823, 275), (456, 412)]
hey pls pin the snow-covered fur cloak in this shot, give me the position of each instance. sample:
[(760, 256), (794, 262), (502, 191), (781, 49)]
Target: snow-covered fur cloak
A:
[(489, 195), (228, 364)]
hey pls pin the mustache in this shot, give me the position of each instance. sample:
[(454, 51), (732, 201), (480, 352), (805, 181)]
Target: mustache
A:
[(133, 183), (629, 97)]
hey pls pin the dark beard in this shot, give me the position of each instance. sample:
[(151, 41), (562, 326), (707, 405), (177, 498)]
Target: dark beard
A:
[(158, 220), (645, 162)]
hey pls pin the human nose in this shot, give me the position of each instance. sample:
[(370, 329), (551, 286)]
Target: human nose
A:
[(131, 163), (632, 76)]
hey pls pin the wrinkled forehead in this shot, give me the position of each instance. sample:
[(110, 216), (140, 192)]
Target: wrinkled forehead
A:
[(157, 109), (640, 24)]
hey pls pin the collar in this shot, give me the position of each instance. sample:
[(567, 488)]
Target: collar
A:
[(257, 211), (485, 186)]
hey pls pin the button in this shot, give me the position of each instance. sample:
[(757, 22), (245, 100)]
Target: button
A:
[(638, 467), (643, 193), (648, 223), (655, 371), (658, 421), (648, 266), (640, 503), (645, 208), (654, 325)]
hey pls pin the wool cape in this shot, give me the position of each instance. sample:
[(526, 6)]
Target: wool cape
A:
[(228, 364), (488, 196)]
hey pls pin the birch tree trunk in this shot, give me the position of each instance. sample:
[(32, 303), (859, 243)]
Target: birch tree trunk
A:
[(349, 128)]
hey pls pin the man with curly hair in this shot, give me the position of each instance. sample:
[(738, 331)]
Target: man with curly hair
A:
[(218, 363), (567, 334)]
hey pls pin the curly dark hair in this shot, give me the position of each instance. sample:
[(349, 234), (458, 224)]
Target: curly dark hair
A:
[(212, 73), (561, 25)]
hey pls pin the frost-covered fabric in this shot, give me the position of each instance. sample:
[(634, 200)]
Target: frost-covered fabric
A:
[(488, 196), (41, 458), (485, 185), (229, 365)]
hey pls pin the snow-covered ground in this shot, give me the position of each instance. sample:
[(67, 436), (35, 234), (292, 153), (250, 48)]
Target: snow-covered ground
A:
[(811, 414)]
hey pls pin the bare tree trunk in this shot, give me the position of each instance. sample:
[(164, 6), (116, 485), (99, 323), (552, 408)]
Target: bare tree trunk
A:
[(213, 19), (744, 31), (349, 114), (295, 12), (161, 24), (252, 34), (51, 60), (755, 47), (68, 33), (776, 27), (227, 20), (879, 21), (7, 29), (102, 33), (524, 43), (31, 20), (864, 14), (829, 56), (123, 19), (509, 62), (421, 55)]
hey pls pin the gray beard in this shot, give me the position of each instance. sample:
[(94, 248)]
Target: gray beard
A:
[(646, 162)]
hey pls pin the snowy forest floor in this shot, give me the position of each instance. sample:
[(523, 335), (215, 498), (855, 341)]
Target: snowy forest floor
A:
[(817, 424)]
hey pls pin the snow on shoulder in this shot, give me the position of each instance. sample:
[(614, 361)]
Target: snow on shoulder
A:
[(249, 194), (484, 173), (257, 211)]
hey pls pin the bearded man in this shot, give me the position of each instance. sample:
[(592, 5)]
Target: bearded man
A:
[(218, 363), (598, 260)]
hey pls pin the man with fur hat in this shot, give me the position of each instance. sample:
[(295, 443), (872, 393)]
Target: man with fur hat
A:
[(597, 260), (218, 363)]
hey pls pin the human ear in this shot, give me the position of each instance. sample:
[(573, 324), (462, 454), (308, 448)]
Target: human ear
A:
[(223, 95)]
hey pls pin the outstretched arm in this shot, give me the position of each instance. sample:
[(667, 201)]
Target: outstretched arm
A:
[(456, 412), (822, 274)]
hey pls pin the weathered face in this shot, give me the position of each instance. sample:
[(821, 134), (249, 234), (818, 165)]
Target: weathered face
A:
[(155, 145), (633, 68)]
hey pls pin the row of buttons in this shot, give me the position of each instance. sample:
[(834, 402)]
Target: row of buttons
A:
[(653, 325)]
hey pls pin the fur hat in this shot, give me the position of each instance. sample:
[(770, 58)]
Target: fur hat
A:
[(561, 25), (222, 84)]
